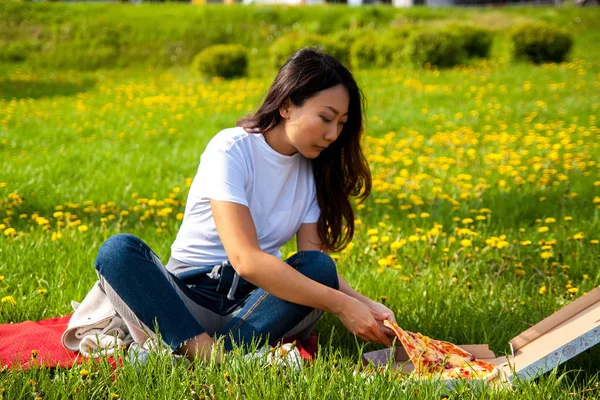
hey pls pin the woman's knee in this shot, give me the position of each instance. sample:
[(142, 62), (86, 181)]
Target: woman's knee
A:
[(320, 267), (117, 253)]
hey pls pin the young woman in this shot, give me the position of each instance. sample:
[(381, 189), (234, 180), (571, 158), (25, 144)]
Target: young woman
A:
[(288, 169)]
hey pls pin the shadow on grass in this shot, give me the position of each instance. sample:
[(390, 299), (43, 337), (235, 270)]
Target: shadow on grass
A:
[(22, 89)]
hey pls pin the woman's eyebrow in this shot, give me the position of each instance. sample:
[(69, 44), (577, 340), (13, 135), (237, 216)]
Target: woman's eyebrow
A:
[(333, 109)]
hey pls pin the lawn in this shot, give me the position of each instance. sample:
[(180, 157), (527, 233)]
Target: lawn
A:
[(483, 219)]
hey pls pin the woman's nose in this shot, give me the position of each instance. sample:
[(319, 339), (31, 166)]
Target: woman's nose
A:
[(331, 134)]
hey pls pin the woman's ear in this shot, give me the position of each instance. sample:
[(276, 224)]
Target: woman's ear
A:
[(284, 109)]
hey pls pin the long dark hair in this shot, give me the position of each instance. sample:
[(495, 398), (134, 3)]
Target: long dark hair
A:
[(341, 170)]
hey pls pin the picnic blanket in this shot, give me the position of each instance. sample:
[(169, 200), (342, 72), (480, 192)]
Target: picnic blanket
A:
[(30, 343)]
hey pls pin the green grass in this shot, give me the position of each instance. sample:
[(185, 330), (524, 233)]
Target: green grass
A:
[(115, 147)]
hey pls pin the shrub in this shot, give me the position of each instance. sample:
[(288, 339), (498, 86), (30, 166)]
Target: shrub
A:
[(225, 60), (347, 37), (17, 51), (376, 50), (436, 47), (475, 40), (540, 42), (285, 46)]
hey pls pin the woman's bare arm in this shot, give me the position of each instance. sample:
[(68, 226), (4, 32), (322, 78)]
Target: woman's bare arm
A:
[(238, 234)]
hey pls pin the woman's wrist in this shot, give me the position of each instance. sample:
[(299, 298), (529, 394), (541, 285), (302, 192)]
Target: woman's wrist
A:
[(340, 302)]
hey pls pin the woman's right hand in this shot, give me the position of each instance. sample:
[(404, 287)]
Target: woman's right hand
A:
[(359, 320)]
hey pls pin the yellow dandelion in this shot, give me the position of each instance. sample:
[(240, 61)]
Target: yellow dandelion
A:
[(413, 238), (467, 221), (10, 232), (84, 373), (82, 228), (42, 291), (543, 229), (549, 220), (8, 299), (594, 241), (372, 232), (424, 215), (546, 255), (412, 216), (573, 290), (383, 262), (466, 243), (542, 289), (568, 218), (578, 236), (373, 239)]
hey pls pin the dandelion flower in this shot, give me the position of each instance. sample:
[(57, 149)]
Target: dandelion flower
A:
[(82, 228), (546, 255), (543, 229), (10, 232), (8, 299), (466, 243), (578, 236)]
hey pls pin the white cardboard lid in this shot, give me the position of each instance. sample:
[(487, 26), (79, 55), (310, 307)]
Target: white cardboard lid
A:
[(561, 336)]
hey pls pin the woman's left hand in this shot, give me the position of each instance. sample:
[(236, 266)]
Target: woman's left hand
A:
[(381, 313)]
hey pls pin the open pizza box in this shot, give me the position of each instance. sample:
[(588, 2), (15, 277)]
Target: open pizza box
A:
[(563, 335)]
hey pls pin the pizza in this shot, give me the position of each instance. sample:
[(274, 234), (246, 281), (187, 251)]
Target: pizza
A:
[(436, 358)]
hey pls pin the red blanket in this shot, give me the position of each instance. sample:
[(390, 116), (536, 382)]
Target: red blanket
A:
[(30, 343)]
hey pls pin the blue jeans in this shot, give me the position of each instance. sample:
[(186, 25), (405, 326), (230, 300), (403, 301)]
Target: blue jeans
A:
[(183, 306)]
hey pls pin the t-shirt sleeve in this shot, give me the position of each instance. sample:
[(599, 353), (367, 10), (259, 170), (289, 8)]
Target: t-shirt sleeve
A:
[(313, 213), (222, 176)]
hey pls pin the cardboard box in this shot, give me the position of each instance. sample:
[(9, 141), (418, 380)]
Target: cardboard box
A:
[(558, 338)]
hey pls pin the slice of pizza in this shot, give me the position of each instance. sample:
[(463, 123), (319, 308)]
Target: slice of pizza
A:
[(439, 358)]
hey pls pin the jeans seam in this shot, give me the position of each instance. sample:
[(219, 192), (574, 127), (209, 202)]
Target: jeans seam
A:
[(256, 304)]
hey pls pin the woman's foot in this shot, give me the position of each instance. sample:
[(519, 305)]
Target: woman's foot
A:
[(201, 347)]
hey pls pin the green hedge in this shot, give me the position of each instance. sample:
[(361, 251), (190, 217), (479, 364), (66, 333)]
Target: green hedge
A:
[(225, 60), (540, 42), (438, 47), (475, 40), (285, 46), (104, 35)]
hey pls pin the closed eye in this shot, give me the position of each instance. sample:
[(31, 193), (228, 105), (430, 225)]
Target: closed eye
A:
[(325, 119)]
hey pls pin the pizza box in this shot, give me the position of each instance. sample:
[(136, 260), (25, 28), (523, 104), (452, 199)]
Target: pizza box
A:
[(558, 338)]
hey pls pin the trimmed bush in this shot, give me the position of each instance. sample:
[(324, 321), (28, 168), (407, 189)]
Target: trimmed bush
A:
[(540, 42), (436, 47), (225, 60), (346, 38), (376, 50), (17, 51), (285, 46), (475, 40)]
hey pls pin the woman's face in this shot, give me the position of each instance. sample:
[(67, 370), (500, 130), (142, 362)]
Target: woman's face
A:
[(316, 124)]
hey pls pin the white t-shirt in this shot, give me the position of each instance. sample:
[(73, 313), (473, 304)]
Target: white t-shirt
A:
[(242, 168)]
